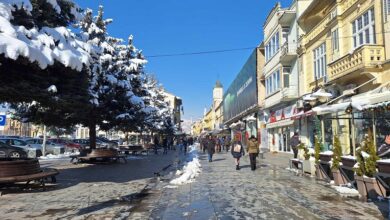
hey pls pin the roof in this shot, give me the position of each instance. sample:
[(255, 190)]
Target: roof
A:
[(218, 84)]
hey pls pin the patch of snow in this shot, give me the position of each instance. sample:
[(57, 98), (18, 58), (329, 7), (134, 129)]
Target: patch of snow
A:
[(327, 152), (59, 156), (191, 170), (349, 157), (365, 154), (384, 161), (346, 190)]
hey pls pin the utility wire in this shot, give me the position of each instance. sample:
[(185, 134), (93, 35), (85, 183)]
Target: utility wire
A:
[(242, 49)]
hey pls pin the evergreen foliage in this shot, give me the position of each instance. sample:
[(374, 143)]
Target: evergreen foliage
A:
[(317, 149), (366, 157), (336, 157)]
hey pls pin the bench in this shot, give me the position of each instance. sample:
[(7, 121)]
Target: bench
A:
[(17, 171), (99, 154), (296, 164)]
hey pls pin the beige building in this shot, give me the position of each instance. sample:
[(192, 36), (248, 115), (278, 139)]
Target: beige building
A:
[(343, 53)]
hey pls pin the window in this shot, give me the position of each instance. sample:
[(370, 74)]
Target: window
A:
[(272, 47), (335, 40), (363, 29), (286, 77), (320, 61), (386, 9), (272, 82)]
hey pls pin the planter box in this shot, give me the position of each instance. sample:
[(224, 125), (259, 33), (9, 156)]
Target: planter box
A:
[(338, 178), (374, 188), (383, 167), (348, 162), (320, 173), (309, 167), (325, 157), (361, 186)]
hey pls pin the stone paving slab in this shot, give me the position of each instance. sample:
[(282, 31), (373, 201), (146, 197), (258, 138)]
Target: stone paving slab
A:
[(270, 192), (101, 191)]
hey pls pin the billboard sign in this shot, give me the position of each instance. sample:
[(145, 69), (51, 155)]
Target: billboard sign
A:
[(242, 93)]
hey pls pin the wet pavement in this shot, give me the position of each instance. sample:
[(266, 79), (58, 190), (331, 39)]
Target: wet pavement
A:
[(134, 191), (270, 192)]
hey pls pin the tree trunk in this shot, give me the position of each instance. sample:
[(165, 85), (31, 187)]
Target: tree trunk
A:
[(92, 135)]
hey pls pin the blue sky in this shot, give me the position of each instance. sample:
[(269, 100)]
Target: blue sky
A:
[(184, 26)]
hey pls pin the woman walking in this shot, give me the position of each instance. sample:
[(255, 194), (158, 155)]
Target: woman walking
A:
[(237, 151), (253, 151)]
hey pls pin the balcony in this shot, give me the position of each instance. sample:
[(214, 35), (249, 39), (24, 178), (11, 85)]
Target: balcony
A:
[(289, 94), (363, 59), (317, 31), (283, 95), (288, 53), (287, 17)]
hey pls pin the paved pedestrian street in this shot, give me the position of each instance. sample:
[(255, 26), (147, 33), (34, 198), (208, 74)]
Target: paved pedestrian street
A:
[(270, 192)]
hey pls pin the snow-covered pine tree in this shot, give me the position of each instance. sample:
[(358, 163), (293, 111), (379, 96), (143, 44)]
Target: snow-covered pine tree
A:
[(37, 51)]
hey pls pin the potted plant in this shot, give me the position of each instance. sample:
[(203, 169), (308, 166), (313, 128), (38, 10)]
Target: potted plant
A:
[(317, 150), (368, 185), (308, 162), (336, 159)]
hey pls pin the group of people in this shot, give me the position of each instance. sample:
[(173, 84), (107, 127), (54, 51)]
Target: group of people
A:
[(210, 145), (170, 143)]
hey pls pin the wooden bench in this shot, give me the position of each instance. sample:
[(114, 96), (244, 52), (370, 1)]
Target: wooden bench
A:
[(17, 171), (99, 154)]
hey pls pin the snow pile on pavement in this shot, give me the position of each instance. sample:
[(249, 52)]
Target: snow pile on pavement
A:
[(346, 190), (59, 156), (190, 170)]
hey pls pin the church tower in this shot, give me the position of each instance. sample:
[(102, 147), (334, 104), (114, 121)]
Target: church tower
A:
[(217, 94)]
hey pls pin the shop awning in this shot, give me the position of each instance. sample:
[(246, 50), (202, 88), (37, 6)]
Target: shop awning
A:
[(360, 102), (302, 114), (282, 123)]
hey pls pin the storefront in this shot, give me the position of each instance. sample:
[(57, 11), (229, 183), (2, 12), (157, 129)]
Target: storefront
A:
[(353, 118), (280, 128)]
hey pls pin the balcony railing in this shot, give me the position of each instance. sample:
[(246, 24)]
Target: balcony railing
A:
[(365, 57), (288, 52)]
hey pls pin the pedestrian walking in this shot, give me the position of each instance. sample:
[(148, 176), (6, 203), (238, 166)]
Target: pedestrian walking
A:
[(204, 144), (210, 145), (185, 144), (156, 144), (227, 143), (294, 143), (237, 152), (165, 145), (253, 151)]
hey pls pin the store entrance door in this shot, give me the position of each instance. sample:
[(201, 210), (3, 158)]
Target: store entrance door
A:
[(286, 140)]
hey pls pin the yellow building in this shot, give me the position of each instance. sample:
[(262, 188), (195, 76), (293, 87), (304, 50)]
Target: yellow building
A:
[(343, 52), (207, 123), (196, 128)]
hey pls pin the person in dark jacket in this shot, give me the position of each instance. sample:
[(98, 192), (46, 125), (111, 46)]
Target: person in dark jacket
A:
[(294, 143), (165, 145), (237, 151), (253, 150), (210, 145), (156, 144)]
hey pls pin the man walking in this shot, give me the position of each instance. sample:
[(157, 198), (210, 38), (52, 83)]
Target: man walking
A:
[(294, 142), (210, 145), (253, 151)]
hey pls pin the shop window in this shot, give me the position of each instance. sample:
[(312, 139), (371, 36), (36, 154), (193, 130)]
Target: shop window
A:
[(382, 122), (328, 133), (363, 124)]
